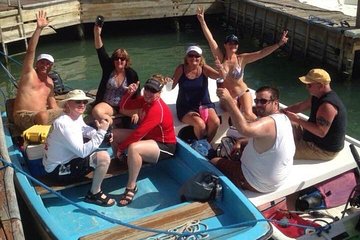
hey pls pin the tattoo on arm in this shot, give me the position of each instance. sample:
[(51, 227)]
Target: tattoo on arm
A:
[(322, 121)]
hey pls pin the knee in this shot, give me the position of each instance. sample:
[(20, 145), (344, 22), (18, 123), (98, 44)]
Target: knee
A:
[(200, 124), (103, 158)]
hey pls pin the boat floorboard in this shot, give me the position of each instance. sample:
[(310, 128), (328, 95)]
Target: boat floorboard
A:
[(164, 220), (116, 168)]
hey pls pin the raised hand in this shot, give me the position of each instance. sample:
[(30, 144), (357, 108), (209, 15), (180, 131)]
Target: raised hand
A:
[(41, 19), (200, 14), (284, 38)]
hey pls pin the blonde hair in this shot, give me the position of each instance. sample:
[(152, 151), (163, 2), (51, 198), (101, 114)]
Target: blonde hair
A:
[(160, 78)]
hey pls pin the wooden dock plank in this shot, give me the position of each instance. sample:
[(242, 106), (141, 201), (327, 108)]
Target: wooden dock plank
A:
[(161, 221)]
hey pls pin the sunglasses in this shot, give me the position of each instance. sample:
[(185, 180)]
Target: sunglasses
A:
[(193, 55), (81, 101), (262, 101), (119, 58), (149, 89)]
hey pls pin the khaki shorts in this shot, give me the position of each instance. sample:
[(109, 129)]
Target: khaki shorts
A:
[(25, 119), (308, 150)]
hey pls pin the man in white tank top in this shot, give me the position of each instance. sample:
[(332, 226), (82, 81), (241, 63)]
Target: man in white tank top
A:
[(267, 158)]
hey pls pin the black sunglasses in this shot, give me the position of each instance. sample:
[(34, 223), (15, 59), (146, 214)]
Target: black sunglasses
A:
[(149, 89), (119, 58), (262, 101), (81, 101), (190, 55)]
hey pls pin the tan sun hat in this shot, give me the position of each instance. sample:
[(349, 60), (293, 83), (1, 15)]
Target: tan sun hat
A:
[(316, 75), (76, 94)]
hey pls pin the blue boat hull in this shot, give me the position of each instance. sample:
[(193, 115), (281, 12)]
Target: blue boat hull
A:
[(158, 192)]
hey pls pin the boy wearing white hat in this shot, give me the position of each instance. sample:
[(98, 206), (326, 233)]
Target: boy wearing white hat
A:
[(35, 102)]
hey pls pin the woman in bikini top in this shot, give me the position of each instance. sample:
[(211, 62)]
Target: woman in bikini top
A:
[(231, 64)]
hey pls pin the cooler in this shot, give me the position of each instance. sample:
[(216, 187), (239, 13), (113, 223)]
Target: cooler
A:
[(36, 134), (34, 154)]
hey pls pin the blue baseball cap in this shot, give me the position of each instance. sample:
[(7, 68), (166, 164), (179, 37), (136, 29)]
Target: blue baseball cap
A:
[(232, 38)]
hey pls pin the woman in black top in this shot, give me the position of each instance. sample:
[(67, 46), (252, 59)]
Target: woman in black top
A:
[(117, 75)]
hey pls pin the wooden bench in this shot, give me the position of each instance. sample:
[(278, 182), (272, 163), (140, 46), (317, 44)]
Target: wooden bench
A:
[(161, 221), (306, 173)]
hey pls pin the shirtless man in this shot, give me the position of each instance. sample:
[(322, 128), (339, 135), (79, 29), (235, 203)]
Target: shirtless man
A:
[(35, 102)]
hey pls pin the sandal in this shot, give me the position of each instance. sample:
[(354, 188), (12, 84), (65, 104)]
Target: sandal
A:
[(100, 199), (128, 196)]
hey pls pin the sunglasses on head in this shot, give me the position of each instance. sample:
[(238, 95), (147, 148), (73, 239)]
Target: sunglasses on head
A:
[(149, 89), (119, 58), (81, 101), (191, 55), (262, 101)]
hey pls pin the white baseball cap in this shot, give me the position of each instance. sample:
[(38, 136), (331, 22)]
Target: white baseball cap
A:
[(194, 49), (45, 56)]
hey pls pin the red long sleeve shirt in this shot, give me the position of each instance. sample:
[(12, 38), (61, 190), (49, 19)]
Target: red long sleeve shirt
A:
[(155, 123)]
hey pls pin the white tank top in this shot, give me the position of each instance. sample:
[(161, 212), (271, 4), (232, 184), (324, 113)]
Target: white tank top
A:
[(267, 171)]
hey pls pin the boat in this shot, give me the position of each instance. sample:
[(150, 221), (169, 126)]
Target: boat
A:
[(157, 211), (305, 173)]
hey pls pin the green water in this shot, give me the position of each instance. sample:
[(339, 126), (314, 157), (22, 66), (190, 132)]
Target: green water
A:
[(156, 47)]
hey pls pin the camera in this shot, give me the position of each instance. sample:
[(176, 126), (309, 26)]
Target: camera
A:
[(99, 21)]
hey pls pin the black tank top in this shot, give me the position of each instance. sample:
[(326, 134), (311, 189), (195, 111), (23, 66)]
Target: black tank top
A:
[(334, 139)]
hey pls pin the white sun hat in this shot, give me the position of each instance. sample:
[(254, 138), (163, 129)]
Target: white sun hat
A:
[(76, 94), (45, 56), (194, 49)]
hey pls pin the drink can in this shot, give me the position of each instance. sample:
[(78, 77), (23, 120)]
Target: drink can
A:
[(99, 21), (220, 83)]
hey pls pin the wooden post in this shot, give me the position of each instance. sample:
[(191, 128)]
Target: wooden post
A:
[(275, 27), (228, 14), (292, 37), (341, 55), (244, 16), (263, 27), (307, 39), (253, 23), (81, 33), (358, 15), (325, 46)]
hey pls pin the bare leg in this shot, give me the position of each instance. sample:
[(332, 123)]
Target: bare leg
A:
[(246, 106), (194, 119), (213, 124), (145, 150), (119, 135)]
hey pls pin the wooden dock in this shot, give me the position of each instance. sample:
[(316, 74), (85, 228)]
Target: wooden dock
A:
[(325, 37), (322, 36), (10, 220), (17, 20)]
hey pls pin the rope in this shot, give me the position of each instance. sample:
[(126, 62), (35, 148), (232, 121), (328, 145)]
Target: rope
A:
[(191, 227), (185, 233)]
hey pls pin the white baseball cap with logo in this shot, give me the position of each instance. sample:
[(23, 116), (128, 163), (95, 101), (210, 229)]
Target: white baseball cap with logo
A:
[(45, 56)]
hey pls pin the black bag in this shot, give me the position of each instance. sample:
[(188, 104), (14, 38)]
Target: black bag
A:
[(59, 86), (225, 148), (202, 187)]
